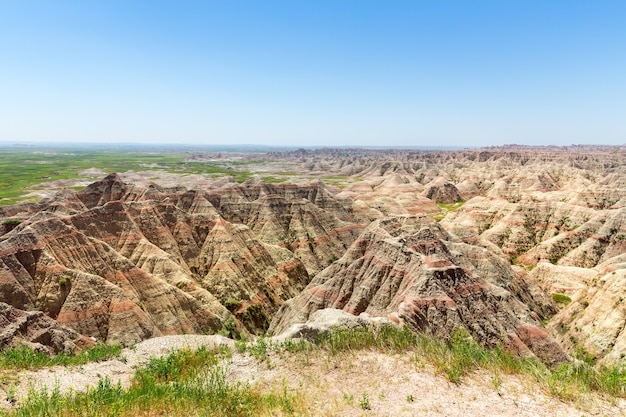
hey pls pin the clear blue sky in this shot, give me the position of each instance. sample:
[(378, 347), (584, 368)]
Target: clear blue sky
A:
[(336, 72)]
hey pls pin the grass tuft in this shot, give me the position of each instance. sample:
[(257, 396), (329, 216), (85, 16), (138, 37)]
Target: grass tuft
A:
[(181, 384), (27, 358), (561, 298)]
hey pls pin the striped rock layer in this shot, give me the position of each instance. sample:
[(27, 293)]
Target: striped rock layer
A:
[(406, 268), (123, 263)]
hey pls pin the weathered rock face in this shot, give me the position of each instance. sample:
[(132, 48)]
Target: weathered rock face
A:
[(306, 219), (390, 195), (84, 283), (405, 267), (36, 330), (322, 322), (123, 263), (442, 191), (595, 320), (536, 231)]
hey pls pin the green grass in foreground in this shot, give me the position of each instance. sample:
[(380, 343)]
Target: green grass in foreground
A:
[(25, 358), (459, 356), (185, 383), (194, 383)]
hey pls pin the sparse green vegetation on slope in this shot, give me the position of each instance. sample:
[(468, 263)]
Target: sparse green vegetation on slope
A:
[(447, 208)]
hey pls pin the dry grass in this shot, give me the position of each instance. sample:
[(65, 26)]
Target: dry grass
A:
[(345, 372)]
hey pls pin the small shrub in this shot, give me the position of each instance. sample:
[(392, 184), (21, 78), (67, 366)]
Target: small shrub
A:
[(229, 329), (364, 402), (11, 392), (232, 305), (63, 281), (348, 398), (582, 354), (259, 348), (178, 366), (561, 298), (11, 224), (255, 317)]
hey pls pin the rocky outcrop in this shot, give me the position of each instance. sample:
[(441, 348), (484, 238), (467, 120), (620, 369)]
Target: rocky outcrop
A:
[(36, 330), (322, 322), (594, 322), (393, 194), (122, 262), (443, 192), (535, 231), (306, 219), (404, 268), (85, 284)]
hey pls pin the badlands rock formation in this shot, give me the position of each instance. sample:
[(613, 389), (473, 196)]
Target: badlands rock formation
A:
[(559, 210), (494, 240), (36, 330), (123, 263), (406, 268)]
